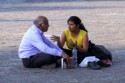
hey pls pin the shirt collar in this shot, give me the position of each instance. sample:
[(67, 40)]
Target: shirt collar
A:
[(40, 31)]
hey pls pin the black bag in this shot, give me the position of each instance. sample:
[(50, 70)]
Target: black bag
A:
[(99, 51)]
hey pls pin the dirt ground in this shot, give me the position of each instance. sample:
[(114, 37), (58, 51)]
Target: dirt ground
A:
[(105, 21)]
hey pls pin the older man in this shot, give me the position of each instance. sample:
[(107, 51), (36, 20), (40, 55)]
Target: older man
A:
[(35, 49)]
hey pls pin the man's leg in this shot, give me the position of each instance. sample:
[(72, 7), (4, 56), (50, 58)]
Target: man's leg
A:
[(40, 59)]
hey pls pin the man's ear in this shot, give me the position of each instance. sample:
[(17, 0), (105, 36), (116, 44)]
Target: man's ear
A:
[(41, 25)]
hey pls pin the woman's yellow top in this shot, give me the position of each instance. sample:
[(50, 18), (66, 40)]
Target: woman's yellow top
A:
[(78, 39)]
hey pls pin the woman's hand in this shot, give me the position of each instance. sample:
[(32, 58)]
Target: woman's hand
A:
[(54, 38), (71, 43)]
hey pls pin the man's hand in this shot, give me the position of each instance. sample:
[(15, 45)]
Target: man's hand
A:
[(65, 56), (54, 38)]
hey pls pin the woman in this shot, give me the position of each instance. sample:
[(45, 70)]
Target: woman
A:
[(76, 35)]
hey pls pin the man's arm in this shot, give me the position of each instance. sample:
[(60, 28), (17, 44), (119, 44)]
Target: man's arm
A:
[(39, 42), (50, 44)]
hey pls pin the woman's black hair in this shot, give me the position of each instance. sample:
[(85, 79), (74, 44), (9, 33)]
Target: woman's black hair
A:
[(77, 21)]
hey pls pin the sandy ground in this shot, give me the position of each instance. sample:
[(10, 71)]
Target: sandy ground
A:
[(105, 21)]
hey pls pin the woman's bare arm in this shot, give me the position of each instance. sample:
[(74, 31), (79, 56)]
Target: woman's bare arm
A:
[(60, 40), (85, 46)]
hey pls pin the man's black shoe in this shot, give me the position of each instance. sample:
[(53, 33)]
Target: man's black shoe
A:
[(94, 65)]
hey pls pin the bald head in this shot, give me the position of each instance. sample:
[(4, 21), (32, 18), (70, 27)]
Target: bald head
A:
[(40, 20), (42, 23)]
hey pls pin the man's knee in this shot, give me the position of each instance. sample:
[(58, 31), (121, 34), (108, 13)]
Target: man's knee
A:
[(26, 63)]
